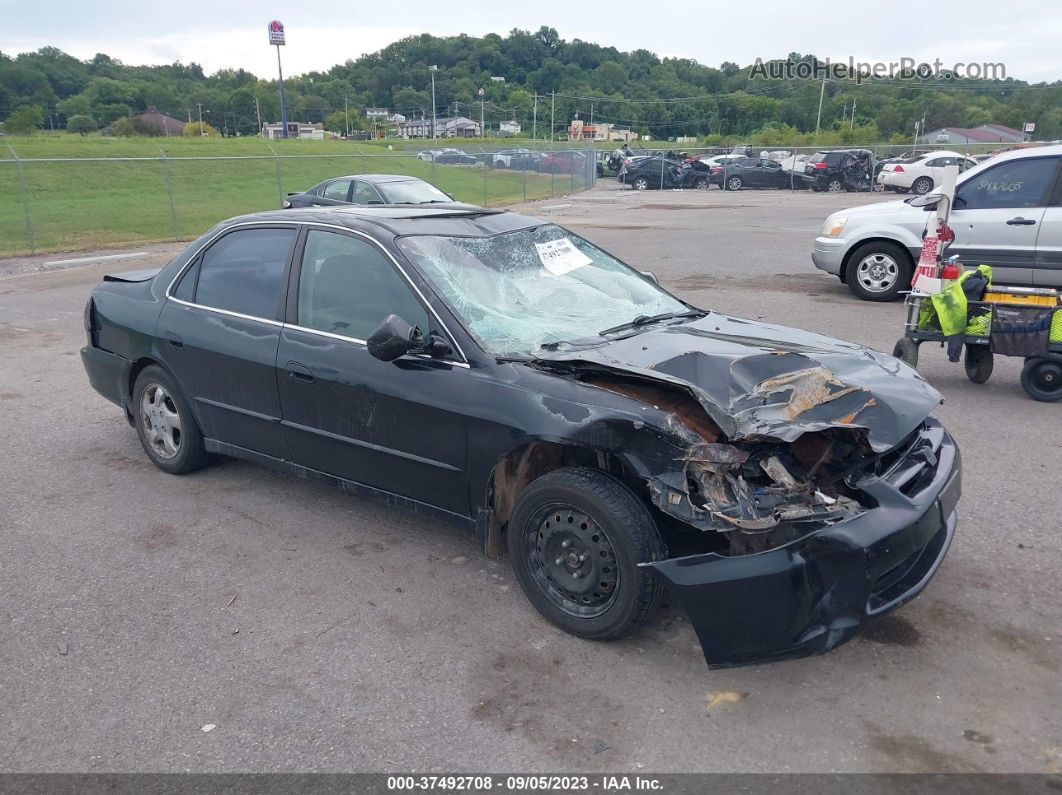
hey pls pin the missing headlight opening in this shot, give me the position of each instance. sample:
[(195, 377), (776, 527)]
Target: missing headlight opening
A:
[(759, 493)]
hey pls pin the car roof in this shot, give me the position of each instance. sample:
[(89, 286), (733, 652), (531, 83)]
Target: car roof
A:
[(462, 221), (380, 178)]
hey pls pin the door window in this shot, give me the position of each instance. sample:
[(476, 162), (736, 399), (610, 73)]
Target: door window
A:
[(1015, 183), (347, 286), (364, 193), (242, 272), (337, 189)]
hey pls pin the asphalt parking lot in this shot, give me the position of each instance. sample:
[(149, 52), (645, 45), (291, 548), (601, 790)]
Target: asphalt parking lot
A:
[(319, 632)]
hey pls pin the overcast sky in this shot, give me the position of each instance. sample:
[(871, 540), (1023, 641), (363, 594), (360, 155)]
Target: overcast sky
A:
[(1022, 34)]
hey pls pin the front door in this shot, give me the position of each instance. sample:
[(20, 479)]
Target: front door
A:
[(396, 426), (218, 334), (998, 214)]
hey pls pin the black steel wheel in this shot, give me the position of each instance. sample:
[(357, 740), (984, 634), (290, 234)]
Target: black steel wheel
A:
[(978, 362), (576, 538), (906, 350), (1041, 378)]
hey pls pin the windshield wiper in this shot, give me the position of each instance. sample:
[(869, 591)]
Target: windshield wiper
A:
[(645, 320)]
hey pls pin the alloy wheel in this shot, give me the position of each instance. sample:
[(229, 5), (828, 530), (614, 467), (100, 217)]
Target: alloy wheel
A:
[(161, 421)]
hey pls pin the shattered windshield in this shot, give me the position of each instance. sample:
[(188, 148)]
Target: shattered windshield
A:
[(519, 291)]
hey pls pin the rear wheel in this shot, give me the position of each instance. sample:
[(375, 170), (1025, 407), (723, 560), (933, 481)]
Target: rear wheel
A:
[(700, 184), (164, 423), (641, 183), (834, 185), (576, 538), (733, 183), (878, 270), (922, 185), (978, 363), (1041, 378)]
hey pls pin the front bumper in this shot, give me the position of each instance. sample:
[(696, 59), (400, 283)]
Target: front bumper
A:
[(828, 254), (817, 592)]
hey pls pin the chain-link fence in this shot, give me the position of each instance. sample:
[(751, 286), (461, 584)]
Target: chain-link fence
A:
[(77, 203)]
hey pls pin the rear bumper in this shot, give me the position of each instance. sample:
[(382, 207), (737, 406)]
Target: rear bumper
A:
[(817, 592), (108, 374)]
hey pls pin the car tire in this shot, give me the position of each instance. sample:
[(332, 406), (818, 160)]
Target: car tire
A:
[(834, 186), (641, 183), (700, 184), (978, 363), (165, 425), (576, 537), (1041, 378), (906, 350), (733, 183), (879, 270), (921, 186)]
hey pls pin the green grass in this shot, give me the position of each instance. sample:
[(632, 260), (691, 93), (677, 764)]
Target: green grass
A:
[(92, 203)]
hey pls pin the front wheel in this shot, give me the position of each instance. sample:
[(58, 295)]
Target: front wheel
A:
[(906, 350), (877, 271), (733, 183), (978, 362), (168, 432), (700, 184), (576, 537)]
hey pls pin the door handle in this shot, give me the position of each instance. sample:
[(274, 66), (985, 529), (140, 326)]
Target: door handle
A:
[(300, 372), (174, 340), (1019, 221)]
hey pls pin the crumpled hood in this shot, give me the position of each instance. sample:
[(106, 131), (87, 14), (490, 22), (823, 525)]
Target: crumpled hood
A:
[(761, 380)]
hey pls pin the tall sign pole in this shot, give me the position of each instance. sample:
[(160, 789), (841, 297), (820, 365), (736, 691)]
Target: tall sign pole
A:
[(433, 70), (276, 37)]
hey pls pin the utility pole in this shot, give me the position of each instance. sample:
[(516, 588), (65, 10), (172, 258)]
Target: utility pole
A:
[(534, 121), (818, 119), (433, 69), (593, 130), (202, 132), (258, 115), (853, 113), (552, 112), (482, 129), (346, 116)]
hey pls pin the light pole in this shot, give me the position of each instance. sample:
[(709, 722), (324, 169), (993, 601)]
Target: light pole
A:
[(276, 37), (482, 129), (202, 132), (433, 69)]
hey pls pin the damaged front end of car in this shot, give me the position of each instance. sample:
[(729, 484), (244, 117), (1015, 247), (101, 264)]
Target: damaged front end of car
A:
[(807, 489)]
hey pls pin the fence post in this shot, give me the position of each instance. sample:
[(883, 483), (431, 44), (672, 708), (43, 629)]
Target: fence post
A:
[(167, 177), (523, 179), (280, 187), (23, 194), (484, 187)]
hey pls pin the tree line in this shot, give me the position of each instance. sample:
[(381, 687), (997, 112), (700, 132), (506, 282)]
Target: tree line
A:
[(535, 78)]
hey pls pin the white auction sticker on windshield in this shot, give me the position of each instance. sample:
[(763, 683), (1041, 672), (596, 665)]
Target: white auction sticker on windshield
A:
[(561, 256)]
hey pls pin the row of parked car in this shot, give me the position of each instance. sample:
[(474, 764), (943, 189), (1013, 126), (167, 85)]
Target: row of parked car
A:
[(829, 170), (518, 159)]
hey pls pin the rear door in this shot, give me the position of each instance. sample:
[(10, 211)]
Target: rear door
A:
[(336, 191), (219, 331), (998, 214)]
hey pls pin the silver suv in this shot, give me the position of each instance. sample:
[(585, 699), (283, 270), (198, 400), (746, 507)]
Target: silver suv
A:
[(1007, 214)]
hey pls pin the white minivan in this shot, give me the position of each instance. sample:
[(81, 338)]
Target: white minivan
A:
[(1007, 214)]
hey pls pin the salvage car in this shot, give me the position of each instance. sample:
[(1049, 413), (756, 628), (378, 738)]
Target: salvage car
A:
[(502, 373), (369, 189), (660, 172)]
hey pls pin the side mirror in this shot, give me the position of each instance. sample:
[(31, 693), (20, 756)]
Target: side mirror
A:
[(650, 276), (925, 200), (394, 338)]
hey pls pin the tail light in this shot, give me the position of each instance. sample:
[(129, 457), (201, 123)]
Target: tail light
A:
[(717, 169), (820, 166), (897, 169), (90, 319)]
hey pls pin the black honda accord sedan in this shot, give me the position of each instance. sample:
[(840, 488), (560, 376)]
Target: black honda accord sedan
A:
[(502, 373)]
